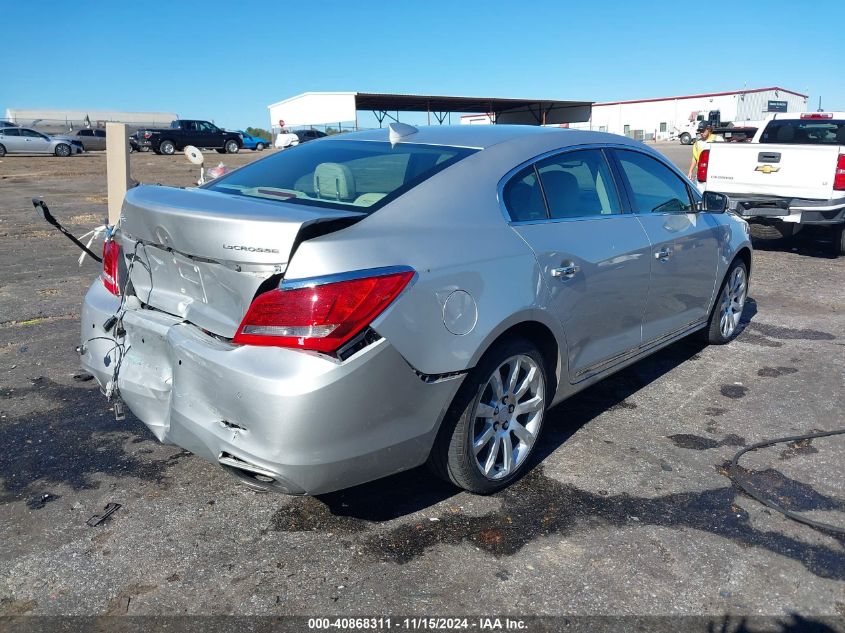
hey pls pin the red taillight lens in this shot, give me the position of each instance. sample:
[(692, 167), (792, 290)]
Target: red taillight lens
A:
[(110, 274), (703, 160), (321, 317), (839, 177)]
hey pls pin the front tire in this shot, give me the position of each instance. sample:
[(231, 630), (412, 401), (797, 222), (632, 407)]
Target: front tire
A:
[(493, 424), (231, 147), (685, 138), (259, 147), (63, 150), (168, 148), (723, 325)]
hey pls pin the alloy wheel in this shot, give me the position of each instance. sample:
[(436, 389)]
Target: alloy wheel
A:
[(508, 417), (732, 302)]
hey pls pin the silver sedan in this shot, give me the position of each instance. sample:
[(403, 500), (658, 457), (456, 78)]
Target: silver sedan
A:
[(359, 306), (22, 140)]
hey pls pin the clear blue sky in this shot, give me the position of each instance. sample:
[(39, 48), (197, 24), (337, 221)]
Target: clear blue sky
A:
[(227, 60)]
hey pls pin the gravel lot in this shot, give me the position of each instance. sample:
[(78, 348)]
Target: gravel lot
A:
[(628, 510)]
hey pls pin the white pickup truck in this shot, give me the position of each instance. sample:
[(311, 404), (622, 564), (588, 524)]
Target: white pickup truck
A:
[(791, 175)]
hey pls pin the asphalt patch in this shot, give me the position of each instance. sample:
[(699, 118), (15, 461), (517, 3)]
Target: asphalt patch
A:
[(68, 444), (735, 392), (698, 443), (775, 372), (537, 506)]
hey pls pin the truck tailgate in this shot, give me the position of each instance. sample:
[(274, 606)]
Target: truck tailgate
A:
[(794, 171)]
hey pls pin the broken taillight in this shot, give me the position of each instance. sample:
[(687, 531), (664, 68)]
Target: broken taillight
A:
[(110, 274), (320, 317)]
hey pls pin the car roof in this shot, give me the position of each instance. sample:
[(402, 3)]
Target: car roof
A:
[(483, 136)]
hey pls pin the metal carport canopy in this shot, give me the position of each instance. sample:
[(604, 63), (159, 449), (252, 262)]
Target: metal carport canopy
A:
[(524, 111), (321, 108)]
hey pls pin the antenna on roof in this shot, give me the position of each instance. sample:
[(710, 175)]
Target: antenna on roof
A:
[(398, 131)]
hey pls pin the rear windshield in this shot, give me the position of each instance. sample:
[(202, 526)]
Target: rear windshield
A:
[(363, 175), (804, 132)]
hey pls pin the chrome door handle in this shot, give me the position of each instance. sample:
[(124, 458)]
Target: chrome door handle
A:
[(567, 272), (663, 254)]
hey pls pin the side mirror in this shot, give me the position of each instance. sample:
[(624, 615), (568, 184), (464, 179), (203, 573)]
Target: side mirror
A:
[(714, 202)]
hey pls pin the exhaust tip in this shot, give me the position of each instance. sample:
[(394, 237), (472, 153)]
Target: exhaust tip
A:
[(255, 477)]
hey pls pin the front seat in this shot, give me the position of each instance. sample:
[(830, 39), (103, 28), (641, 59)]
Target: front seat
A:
[(333, 181)]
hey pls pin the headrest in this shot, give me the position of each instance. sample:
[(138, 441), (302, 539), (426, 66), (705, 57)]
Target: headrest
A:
[(333, 181)]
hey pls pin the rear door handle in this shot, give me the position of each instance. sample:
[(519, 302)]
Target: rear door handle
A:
[(566, 272), (663, 254)]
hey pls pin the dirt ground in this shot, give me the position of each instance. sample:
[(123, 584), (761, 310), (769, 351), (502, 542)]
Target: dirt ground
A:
[(628, 510)]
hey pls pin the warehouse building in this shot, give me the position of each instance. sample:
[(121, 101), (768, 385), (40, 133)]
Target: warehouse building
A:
[(668, 117)]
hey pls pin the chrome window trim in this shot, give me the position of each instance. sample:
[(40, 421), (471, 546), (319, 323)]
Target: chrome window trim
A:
[(620, 186), (311, 282)]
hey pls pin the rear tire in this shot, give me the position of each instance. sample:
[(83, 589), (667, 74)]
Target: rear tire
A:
[(63, 150), (838, 239), (685, 138), (493, 419), (2, 151), (723, 325), (772, 235), (231, 147), (167, 147)]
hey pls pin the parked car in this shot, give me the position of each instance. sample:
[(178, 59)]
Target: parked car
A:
[(91, 139), (255, 143), (381, 299), (309, 135), (22, 140), (291, 139), (184, 132), (790, 176)]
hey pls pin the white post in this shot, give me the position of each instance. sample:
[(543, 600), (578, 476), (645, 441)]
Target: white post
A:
[(117, 167)]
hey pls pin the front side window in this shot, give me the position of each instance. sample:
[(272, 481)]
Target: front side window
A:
[(654, 187), (578, 184), (804, 132), (84, 133), (355, 175)]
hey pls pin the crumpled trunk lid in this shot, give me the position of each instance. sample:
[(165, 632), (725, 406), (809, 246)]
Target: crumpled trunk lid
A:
[(202, 255)]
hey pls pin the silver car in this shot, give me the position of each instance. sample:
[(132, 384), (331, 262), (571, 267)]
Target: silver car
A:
[(22, 140), (359, 306)]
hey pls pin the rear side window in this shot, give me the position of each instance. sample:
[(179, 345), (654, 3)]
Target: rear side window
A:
[(10, 131), (804, 132), (355, 175), (578, 184), (523, 197), (655, 187)]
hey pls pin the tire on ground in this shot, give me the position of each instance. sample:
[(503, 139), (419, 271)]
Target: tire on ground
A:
[(451, 456)]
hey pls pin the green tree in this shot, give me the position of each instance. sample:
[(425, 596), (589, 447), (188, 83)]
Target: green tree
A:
[(259, 132)]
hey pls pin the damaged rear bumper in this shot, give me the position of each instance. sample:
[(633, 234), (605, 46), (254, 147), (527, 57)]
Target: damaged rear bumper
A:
[(278, 418)]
